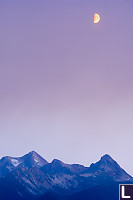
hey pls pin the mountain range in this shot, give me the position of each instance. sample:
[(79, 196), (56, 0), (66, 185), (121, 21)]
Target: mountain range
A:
[(31, 177)]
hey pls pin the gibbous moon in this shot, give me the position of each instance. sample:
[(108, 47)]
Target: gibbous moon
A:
[(96, 18)]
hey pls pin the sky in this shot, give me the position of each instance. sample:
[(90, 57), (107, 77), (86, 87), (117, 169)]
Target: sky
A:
[(66, 84)]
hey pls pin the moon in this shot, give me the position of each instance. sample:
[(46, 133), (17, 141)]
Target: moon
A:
[(96, 18)]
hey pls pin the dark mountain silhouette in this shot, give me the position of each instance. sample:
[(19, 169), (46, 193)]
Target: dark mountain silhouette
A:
[(100, 192), (32, 177)]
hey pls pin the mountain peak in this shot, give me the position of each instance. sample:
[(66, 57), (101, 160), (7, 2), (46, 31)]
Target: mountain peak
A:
[(106, 163), (107, 157), (109, 166), (34, 159), (32, 153), (57, 162)]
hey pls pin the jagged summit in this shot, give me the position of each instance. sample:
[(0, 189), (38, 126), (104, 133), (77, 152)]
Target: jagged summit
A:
[(104, 159), (107, 157), (31, 159), (107, 160), (107, 165), (55, 167), (58, 163), (32, 152), (31, 174)]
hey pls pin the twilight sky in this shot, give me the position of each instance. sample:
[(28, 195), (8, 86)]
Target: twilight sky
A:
[(66, 84)]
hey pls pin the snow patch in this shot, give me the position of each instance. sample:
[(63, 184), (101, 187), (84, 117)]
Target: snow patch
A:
[(37, 162), (15, 162)]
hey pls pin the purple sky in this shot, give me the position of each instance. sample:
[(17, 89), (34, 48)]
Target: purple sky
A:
[(66, 84)]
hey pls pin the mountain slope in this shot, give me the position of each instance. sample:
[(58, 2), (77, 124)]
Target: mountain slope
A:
[(33, 177), (32, 159), (106, 166), (57, 166)]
